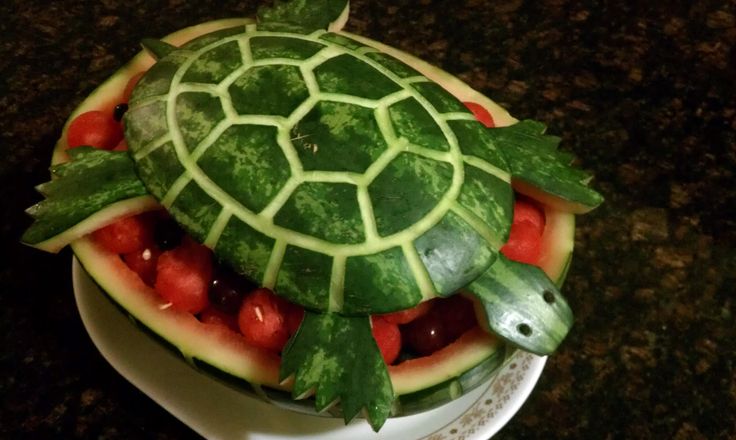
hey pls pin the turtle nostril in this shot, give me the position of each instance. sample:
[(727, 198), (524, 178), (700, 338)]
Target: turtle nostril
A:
[(524, 329), (548, 296)]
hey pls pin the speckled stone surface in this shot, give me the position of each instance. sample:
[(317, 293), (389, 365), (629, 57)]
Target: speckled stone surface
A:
[(644, 93)]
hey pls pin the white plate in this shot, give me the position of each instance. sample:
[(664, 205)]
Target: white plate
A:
[(216, 411)]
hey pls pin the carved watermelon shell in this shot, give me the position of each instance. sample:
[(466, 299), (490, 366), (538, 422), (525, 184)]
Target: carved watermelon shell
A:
[(321, 167)]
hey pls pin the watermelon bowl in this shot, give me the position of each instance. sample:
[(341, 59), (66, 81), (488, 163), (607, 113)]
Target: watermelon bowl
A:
[(405, 282), (211, 408)]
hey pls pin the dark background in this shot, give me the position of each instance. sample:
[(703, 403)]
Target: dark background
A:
[(642, 92)]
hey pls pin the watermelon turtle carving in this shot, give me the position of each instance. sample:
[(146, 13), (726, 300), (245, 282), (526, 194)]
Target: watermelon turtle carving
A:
[(319, 165)]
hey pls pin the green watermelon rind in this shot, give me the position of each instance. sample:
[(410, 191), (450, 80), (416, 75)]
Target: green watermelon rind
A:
[(110, 214), (434, 391), (451, 389), (418, 390)]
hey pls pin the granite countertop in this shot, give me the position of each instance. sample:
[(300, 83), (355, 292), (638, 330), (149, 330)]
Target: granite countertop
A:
[(643, 94)]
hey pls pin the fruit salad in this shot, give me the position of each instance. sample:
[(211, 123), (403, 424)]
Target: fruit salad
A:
[(313, 216)]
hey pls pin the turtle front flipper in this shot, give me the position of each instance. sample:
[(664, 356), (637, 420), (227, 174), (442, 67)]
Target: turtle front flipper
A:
[(540, 170), (308, 14), (336, 358), (523, 305), (74, 206)]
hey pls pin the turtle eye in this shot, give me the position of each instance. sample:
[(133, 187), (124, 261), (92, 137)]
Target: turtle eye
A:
[(524, 329), (548, 296)]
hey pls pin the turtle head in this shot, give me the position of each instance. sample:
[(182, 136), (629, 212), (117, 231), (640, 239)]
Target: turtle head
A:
[(523, 306), (308, 14)]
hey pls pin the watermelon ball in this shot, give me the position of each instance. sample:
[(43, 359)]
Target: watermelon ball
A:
[(214, 316), (121, 146), (262, 320), (126, 235), (388, 338), (408, 315), (524, 244), (96, 129), (143, 262), (294, 316), (183, 276), (526, 210)]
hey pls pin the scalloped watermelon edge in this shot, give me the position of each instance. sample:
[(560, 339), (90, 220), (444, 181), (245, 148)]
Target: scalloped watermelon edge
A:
[(421, 384)]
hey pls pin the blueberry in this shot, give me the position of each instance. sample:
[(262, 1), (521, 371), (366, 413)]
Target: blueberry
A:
[(167, 234), (228, 289), (119, 111)]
